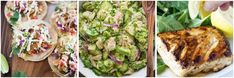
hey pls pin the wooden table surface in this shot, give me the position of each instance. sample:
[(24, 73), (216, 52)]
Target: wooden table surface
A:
[(32, 69)]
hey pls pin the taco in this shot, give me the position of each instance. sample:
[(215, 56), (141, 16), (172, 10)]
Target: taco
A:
[(20, 11), (63, 60), (34, 40), (64, 19)]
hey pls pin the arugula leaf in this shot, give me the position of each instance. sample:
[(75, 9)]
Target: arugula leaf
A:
[(168, 23), (19, 74), (161, 66), (15, 17), (171, 7), (200, 22), (174, 15), (184, 18), (58, 9), (15, 49), (71, 50)]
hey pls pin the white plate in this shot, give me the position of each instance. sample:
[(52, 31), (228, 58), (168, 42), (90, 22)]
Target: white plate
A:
[(89, 73), (226, 72)]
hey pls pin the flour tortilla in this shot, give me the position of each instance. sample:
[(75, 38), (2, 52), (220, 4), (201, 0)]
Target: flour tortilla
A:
[(42, 55), (70, 7), (21, 19), (51, 58)]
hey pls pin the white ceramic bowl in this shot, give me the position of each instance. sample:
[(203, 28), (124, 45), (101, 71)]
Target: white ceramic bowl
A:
[(89, 73)]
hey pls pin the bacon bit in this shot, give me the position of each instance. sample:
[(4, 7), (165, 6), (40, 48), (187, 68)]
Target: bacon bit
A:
[(45, 45), (32, 52), (9, 14), (35, 17), (30, 30), (34, 44), (73, 32), (61, 64), (49, 46)]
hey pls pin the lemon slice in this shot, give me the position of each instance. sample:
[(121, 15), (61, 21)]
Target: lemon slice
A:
[(223, 21)]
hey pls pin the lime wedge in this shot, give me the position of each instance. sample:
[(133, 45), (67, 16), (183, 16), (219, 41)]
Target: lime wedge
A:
[(4, 64)]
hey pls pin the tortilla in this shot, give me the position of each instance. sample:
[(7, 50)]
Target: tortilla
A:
[(42, 55), (62, 10), (51, 59), (9, 7), (58, 52)]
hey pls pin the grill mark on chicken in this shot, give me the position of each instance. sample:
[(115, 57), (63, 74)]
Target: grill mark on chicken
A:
[(178, 51), (197, 45)]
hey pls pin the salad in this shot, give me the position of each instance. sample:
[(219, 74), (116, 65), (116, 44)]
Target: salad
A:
[(113, 37)]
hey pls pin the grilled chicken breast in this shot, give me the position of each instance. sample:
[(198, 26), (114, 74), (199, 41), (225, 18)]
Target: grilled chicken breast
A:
[(188, 52)]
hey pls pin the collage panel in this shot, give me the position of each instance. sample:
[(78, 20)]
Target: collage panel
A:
[(116, 38), (194, 38), (113, 38), (39, 39)]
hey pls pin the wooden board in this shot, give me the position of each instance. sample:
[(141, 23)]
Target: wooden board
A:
[(32, 69)]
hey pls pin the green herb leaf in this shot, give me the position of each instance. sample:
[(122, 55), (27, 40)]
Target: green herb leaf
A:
[(4, 64), (26, 34), (184, 18), (19, 74), (57, 9), (15, 17), (161, 66), (171, 7), (168, 23), (15, 49), (200, 22)]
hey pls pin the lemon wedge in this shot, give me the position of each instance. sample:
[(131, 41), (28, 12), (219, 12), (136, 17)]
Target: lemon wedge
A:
[(203, 13), (195, 8), (223, 20)]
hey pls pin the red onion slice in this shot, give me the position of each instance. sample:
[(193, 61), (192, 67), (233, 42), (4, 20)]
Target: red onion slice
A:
[(114, 59)]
